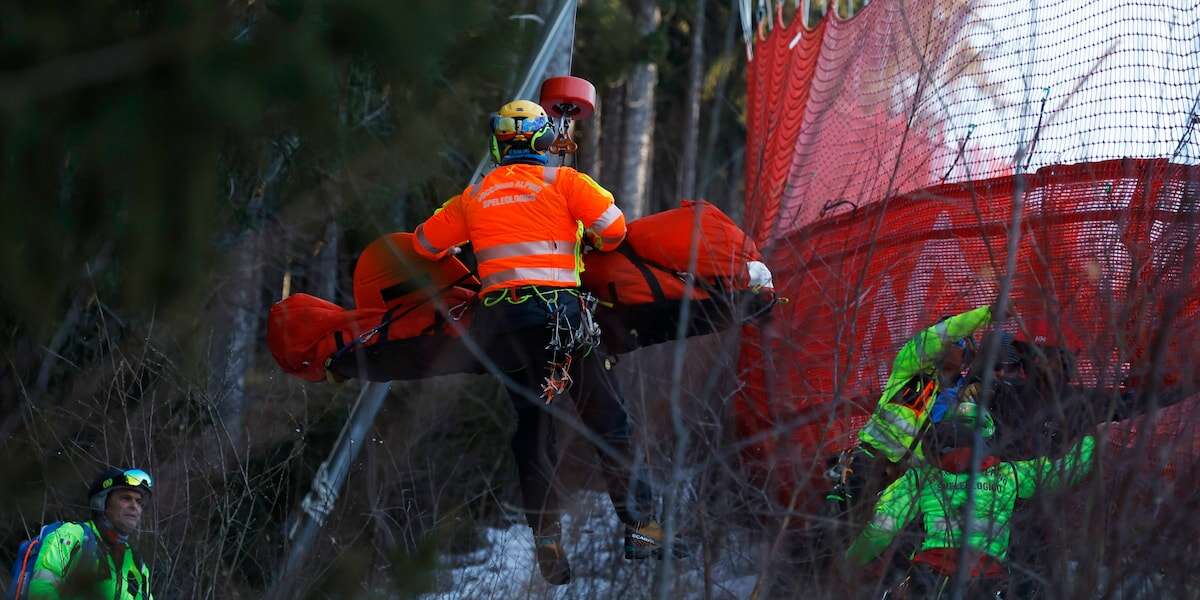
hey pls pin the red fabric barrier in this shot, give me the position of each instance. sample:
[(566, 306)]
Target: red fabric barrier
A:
[(1166, 442)]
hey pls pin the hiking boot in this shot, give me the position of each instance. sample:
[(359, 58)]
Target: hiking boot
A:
[(551, 559), (644, 540)]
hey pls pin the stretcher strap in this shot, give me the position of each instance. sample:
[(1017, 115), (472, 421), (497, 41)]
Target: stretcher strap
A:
[(639, 263), (389, 317)]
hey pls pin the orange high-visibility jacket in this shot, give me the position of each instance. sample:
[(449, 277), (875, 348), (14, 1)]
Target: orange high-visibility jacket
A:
[(525, 223)]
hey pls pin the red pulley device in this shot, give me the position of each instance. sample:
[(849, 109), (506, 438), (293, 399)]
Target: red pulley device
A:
[(567, 98)]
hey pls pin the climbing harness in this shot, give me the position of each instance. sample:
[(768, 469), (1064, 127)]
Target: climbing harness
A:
[(567, 338)]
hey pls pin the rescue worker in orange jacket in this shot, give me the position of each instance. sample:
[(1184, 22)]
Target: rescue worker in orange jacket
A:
[(527, 223)]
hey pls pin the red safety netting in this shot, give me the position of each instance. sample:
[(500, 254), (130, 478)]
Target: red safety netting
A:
[(884, 153), (861, 283), (910, 94)]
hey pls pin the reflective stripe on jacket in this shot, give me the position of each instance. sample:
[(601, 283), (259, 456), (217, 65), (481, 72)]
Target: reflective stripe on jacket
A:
[(60, 566), (525, 224), (939, 496), (893, 427)]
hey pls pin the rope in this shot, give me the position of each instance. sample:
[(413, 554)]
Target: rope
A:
[(571, 48)]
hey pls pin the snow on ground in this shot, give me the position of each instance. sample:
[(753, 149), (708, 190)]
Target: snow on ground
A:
[(505, 567)]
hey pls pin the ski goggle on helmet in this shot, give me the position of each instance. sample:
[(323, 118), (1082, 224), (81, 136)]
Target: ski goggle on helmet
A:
[(115, 479), (134, 478), (519, 120)]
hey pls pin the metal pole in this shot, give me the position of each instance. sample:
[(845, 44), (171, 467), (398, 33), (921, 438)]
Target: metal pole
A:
[(327, 484), (537, 67)]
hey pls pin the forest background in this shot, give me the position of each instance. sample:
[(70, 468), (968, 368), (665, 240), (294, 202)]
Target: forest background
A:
[(172, 168)]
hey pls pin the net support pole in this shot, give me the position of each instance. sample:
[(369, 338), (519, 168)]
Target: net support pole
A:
[(562, 23), (326, 486)]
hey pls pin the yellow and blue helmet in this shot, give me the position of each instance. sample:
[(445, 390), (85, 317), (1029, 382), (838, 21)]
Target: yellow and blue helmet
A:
[(520, 129)]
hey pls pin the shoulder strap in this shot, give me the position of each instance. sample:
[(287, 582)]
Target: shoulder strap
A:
[(137, 559), (89, 545), (48, 529), (713, 286), (89, 539)]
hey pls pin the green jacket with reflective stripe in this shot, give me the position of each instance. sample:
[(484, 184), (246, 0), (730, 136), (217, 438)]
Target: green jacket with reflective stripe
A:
[(939, 497), (893, 426), (63, 573)]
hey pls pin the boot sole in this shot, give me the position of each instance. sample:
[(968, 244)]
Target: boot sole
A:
[(634, 553), (554, 569), (563, 581)]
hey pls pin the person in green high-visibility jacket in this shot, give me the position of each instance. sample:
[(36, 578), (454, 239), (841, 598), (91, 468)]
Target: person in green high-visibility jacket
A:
[(926, 370), (937, 492), (93, 559), (931, 359)]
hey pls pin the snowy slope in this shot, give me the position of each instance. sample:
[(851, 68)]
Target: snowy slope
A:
[(505, 567)]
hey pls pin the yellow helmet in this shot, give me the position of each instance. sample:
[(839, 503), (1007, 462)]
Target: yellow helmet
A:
[(520, 128)]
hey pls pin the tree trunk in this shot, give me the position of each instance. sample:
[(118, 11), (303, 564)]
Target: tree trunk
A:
[(691, 117), (241, 303), (326, 264), (737, 179), (705, 175), (637, 142), (241, 310), (589, 158), (613, 104)]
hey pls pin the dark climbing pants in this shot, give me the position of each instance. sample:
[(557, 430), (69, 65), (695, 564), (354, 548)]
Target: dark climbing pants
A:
[(515, 336)]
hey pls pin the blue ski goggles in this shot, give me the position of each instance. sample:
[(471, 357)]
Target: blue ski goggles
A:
[(508, 128)]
